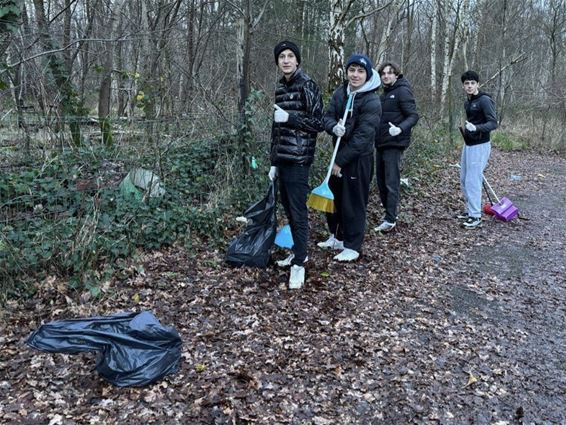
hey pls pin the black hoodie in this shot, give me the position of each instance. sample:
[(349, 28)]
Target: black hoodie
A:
[(480, 111)]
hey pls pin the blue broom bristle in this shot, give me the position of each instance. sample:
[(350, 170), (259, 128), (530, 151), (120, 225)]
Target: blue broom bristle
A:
[(323, 191)]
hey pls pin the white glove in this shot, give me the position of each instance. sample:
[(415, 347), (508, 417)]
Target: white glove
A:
[(339, 130), (272, 173), (280, 115), (470, 127), (394, 130)]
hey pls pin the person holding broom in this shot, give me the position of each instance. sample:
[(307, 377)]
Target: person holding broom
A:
[(352, 170), (480, 121), (297, 120)]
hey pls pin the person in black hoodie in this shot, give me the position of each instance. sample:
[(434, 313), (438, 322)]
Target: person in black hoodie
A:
[(399, 116), (297, 120), (481, 120), (353, 167)]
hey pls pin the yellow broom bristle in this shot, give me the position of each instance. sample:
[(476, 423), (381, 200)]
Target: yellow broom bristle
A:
[(320, 203)]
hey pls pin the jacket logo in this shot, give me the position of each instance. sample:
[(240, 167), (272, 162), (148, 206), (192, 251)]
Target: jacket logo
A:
[(392, 96)]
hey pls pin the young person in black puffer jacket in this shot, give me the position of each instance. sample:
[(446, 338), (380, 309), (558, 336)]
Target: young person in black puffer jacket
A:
[(353, 168), (399, 116), (296, 122)]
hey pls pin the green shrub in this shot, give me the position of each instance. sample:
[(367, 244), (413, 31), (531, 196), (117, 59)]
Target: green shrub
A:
[(507, 141), (69, 217)]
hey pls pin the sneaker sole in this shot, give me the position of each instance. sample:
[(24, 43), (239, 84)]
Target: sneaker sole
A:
[(385, 230), (345, 261), (283, 263), (472, 226), (326, 247)]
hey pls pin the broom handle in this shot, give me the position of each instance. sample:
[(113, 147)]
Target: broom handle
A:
[(329, 172), (348, 106), (490, 188)]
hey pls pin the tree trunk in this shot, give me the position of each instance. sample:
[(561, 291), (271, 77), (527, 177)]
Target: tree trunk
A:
[(503, 53), (407, 45), (71, 105), (243, 58), (452, 41), (67, 34), (434, 27), (338, 11), (188, 86), (387, 31)]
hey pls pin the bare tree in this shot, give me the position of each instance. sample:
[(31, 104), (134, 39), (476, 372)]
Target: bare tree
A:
[(453, 35), (71, 105), (340, 19)]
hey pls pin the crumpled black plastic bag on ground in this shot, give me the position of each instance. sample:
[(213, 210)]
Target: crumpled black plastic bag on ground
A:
[(133, 349), (253, 246)]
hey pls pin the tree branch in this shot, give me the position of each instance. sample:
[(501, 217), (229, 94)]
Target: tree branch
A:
[(49, 52), (519, 58), (258, 17), (236, 7), (366, 14)]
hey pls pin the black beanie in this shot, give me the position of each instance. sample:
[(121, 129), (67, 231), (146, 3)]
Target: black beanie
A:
[(284, 45)]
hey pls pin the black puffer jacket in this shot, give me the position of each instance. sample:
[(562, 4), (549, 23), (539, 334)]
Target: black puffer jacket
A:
[(361, 124), (480, 111), (399, 108), (294, 141)]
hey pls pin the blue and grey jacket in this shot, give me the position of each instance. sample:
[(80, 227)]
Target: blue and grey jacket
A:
[(361, 122)]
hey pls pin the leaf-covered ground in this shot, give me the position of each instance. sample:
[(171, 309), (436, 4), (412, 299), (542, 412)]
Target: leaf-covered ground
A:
[(434, 324)]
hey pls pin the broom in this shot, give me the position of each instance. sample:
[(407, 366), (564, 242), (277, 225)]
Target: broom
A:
[(321, 197)]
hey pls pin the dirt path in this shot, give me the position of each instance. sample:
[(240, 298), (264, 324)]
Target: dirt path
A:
[(434, 324)]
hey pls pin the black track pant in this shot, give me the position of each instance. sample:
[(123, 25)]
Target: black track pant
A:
[(294, 189), (351, 194), (387, 170)]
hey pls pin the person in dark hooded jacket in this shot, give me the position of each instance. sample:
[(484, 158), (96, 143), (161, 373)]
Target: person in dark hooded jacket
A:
[(481, 119), (297, 120), (353, 167), (399, 116)]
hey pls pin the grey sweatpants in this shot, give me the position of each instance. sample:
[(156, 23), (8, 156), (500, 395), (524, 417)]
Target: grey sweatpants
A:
[(473, 162)]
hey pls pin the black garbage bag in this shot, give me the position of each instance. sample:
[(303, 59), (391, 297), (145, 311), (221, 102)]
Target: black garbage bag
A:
[(253, 246), (133, 349)]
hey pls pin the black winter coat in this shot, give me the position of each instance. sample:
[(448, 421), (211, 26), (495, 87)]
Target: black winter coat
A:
[(399, 108), (480, 111), (361, 124), (294, 141)]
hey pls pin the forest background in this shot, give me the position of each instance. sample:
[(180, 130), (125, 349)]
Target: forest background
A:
[(91, 90)]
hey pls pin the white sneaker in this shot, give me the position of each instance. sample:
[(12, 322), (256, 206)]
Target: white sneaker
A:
[(385, 227), (287, 261), (331, 243), (297, 277), (347, 255)]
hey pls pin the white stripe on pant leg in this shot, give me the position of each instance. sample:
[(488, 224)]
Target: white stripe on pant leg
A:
[(463, 173)]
